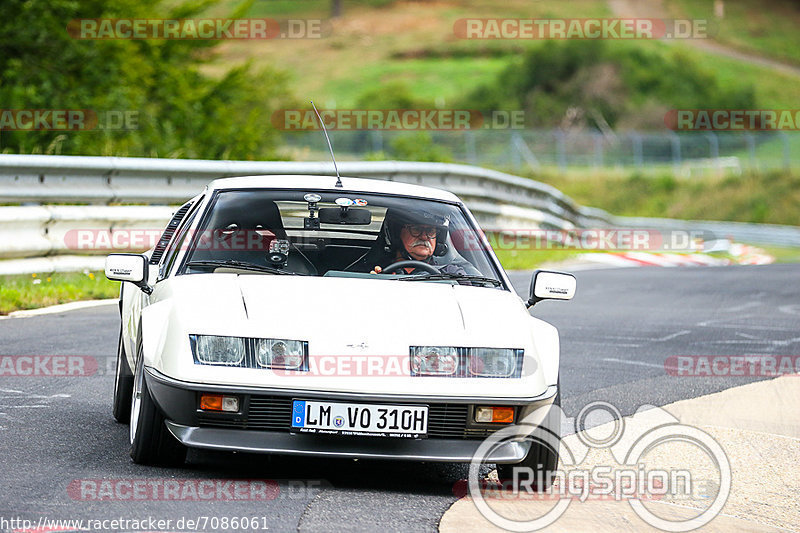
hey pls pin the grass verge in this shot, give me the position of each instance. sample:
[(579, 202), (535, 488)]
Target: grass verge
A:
[(31, 291), (766, 198), (781, 254), (767, 27)]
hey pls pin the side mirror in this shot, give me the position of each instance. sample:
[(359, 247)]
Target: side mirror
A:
[(551, 285), (128, 267)]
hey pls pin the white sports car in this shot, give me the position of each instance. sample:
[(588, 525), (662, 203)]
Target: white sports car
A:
[(298, 315)]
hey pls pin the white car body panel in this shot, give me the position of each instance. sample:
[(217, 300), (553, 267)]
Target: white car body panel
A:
[(331, 313), (341, 318)]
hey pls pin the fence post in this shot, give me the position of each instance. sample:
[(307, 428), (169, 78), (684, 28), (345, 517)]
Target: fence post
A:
[(377, 140), (469, 144), (638, 159), (522, 150), (787, 156), (561, 150), (675, 140), (598, 150), (751, 149), (713, 145), (513, 146)]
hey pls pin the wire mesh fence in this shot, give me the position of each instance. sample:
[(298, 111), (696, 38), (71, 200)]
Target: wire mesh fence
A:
[(685, 154)]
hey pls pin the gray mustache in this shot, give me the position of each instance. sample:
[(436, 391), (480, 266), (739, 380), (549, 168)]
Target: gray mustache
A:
[(426, 244)]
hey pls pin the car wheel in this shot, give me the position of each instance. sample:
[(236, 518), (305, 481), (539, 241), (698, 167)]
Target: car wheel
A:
[(123, 385), (541, 457), (151, 441)]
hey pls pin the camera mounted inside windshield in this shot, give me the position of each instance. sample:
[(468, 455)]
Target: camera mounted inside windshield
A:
[(279, 252)]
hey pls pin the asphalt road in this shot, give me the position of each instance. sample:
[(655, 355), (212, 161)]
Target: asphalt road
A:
[(616, 336)]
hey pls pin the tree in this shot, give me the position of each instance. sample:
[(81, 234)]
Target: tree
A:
[(181, 112)]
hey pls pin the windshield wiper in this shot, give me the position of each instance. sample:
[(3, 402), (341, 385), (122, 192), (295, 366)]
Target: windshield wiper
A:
[(454, 277), (215, 263)]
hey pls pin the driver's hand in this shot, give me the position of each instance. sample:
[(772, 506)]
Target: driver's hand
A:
[(376, 270)]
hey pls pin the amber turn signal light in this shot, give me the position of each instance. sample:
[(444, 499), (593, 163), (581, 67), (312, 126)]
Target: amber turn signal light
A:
[(503, 415), (218, 402)]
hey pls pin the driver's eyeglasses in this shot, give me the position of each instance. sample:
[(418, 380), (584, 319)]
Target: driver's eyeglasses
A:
[(417, 231)]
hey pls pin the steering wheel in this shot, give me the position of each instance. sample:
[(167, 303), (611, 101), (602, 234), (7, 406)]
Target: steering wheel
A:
[(399, 265)]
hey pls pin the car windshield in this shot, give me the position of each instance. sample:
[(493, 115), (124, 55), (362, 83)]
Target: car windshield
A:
[(345, 234)]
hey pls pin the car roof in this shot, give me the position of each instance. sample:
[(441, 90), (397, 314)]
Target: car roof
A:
[(328, 183)]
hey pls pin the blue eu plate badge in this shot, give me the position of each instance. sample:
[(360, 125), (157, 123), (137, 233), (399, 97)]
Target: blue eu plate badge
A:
[(299, 414)]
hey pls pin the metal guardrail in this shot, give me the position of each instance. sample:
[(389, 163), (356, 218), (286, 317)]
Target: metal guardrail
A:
[(498, 200), (104, 180)]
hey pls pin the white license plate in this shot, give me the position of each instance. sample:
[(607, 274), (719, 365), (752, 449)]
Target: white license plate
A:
[(330, 418)]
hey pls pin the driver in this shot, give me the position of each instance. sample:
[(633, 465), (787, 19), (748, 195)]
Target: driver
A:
[(416, 236)]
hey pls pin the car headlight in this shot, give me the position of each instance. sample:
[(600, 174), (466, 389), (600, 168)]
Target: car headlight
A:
[(452, 361), (494, 362), (434, 360), (278, 353), (217, 350), (249, 352)]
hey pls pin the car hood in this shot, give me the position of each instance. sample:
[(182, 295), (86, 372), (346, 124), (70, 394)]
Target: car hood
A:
[(332, 312), (343, 319)]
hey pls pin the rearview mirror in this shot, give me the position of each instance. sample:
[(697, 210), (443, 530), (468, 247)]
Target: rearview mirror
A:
[(128, 267), (349, 215), (551, 285)]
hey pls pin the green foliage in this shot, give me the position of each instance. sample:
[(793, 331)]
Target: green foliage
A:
[(418, 146), (585, 82), (769, 197), (392, 95), (181, 112)]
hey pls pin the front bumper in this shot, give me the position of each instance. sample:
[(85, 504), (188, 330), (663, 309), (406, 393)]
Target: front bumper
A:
[(263, 424)]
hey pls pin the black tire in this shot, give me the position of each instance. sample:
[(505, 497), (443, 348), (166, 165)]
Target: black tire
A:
[(541, 457), (123, 385), (151, 441)]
